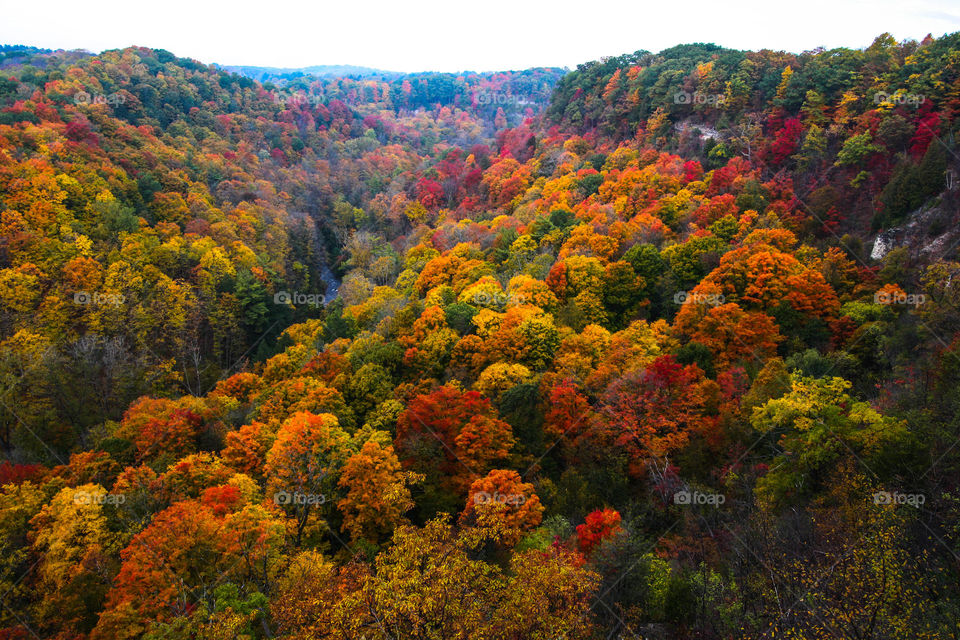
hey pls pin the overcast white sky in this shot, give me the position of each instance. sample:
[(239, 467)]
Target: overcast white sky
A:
[(459, 35)]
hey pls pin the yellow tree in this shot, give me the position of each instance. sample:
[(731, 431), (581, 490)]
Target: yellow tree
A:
[(503, 495), (74, 544), (377, 493), (19, 503), (304, 463)]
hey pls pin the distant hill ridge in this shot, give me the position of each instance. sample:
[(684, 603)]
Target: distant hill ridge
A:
[(262, 74)]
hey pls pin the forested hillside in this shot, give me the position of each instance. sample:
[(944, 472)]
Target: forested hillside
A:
[(662, 347)]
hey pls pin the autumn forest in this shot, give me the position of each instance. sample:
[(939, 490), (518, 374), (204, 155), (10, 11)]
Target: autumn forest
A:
[(665, 346)]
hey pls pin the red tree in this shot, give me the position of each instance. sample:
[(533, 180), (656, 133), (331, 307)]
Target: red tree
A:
[(599, 525), (456, 433)]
